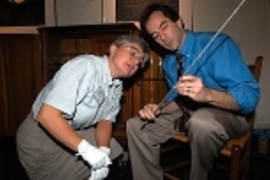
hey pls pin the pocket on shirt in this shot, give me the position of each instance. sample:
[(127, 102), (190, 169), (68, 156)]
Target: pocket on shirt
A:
[(99, 97)]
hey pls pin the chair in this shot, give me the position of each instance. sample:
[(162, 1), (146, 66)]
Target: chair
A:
[(237, 150)]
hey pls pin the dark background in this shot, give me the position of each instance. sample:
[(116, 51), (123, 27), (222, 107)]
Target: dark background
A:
[(30, 12), (130, 10)]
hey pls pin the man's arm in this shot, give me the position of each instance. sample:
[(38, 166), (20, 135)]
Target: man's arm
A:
[(221, 99), (194, 88)]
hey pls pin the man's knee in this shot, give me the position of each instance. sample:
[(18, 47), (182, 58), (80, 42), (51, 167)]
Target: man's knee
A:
[(200, 120), (203, 125), (133, 124)]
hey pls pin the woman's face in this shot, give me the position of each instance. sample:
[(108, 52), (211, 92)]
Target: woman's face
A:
[(125, 60), (164, 31)]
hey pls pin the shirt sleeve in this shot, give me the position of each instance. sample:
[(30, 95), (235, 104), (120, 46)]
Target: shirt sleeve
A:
[(66, 90), (234, 76)]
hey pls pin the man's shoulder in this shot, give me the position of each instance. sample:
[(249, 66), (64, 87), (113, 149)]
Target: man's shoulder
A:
[(203, 38), (207, 35)]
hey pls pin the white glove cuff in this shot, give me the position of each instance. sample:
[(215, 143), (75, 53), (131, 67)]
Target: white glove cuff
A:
[(82, 147), (105, 149)]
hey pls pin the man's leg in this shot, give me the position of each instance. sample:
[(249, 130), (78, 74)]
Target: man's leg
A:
[(144, 145), (208, 130)]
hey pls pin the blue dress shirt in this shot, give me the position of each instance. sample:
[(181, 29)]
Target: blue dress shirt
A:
[(220, 67)]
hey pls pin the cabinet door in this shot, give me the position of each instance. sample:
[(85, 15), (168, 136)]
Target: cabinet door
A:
[(102, 43), (58, 49), (21, 78)]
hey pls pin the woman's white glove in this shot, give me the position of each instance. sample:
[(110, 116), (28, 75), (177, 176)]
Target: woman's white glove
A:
[(101, 173), (105, 149), (96, 157)]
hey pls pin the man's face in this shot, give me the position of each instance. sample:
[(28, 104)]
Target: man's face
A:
[(164, 31)]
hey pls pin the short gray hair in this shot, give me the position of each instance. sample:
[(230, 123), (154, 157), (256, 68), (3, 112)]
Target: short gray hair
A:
[(124, 39)]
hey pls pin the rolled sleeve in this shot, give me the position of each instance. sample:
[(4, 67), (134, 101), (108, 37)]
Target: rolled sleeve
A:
[(234, 77), (247, 97)]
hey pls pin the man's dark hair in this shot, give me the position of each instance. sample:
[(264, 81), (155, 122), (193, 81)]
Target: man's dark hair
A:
[(165, 9)]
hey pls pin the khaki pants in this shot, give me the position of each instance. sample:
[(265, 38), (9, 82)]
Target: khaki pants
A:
[(45, 158), (208, 130)]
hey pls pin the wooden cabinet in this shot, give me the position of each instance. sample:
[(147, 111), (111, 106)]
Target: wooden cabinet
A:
[(28, 61), (62, 43), (20, 78)]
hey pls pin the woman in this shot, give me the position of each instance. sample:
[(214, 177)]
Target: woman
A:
[(74, 114)]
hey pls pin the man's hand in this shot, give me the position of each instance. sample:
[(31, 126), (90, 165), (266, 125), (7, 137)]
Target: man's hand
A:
[(193, 87), (96, 157), (149, 111)]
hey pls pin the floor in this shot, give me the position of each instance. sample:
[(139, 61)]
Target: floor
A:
[(10, 168)]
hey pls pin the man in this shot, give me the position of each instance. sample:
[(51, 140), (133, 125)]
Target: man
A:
[(217, 89), (69, 128)]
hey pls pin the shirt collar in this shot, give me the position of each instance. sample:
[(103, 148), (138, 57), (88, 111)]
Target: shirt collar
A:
[(107, 78), (187, 45)]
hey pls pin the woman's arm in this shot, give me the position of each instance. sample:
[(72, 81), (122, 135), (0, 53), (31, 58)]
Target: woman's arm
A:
[(52, 120), (103, 133)]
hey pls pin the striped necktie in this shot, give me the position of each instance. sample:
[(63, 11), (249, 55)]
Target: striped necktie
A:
[(179, 59), (180, 123)]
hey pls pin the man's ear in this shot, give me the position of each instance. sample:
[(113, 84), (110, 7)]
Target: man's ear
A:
[(181, 23), (113, 49)]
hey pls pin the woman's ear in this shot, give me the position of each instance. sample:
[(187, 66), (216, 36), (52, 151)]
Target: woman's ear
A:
[(113, 49)]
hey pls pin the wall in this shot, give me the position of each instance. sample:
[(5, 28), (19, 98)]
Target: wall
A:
[(264, 111), (79, 12), (250, 28)]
